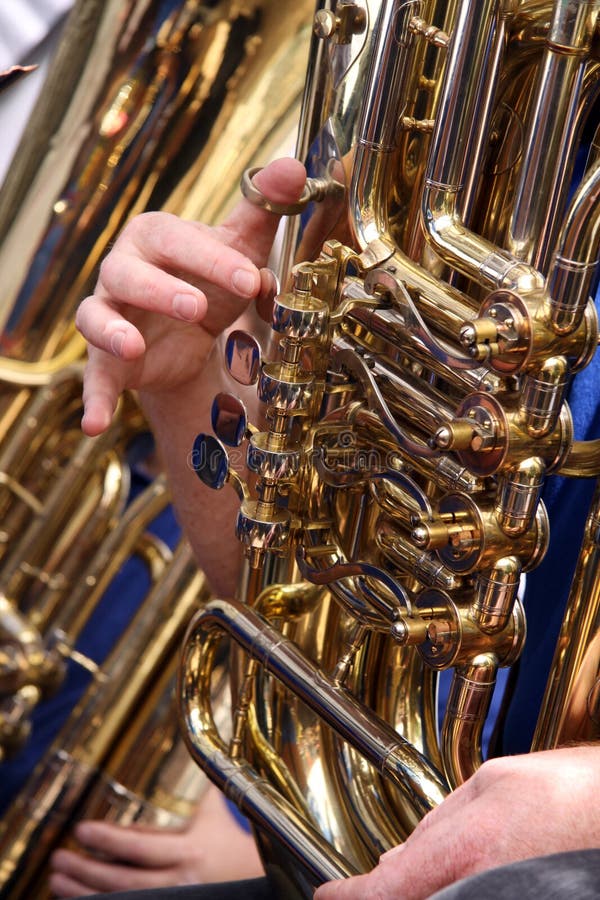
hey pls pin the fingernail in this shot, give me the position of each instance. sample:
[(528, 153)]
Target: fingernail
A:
[(185, 306), (244, 282), (116, 342)]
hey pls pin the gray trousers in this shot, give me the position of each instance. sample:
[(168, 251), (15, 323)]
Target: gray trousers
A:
[(563, 876)]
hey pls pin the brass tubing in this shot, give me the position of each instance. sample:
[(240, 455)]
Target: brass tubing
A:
[(37, 650), (468, 252), (480, 138), (34, 543), (426, 567), (118, 545), (552, 134), (391, 59), (388, 325), (495, 593), (267, 808), (542, 395), (42, 372), (467, 77), (392, 756), (466, 711), (575, 262), (443, 470), (39, 416), (22, 654), (368, 193), (140, 658), (518, 496), (468, 74), (570, 710), (582, 460), (594, 151), (78, 538), (401, 390), (158, 787)]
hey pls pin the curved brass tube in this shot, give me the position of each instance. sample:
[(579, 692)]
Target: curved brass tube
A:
[(421, 784), (471, 70), (577, 256), (369, 188), (572, 27), (466, 711), (583, 460), (41, 372), (570, 710)]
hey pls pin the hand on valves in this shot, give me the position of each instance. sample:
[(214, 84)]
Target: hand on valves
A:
[(164, 294)]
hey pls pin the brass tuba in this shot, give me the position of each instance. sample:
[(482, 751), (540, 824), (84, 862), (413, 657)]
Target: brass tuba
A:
[(436, 308)]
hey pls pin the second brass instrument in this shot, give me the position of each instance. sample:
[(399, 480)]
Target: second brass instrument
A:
[(141, 110)]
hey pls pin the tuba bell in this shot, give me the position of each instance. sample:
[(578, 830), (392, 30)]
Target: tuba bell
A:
[(436, 309)]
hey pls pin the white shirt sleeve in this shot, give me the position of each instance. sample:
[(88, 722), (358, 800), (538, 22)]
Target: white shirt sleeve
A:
[(29, 33), (24, 24)]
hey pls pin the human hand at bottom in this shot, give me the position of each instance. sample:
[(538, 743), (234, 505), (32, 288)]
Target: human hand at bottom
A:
[(213, 848), (513, 808)]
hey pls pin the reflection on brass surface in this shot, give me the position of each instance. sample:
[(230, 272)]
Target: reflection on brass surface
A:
[(143, 101), (153, 106)]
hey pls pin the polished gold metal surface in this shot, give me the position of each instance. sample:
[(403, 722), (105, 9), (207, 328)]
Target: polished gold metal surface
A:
[(430, 325), (133, 685), (144, 105), (433, 314)]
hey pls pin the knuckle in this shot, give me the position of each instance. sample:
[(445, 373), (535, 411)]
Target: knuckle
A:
[(108, 273), (212, 265), (153, 234), (167, 249), (490, 774), (142, 224)]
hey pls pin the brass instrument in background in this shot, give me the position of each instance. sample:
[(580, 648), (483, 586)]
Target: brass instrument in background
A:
[(146, 103), (437, 310)]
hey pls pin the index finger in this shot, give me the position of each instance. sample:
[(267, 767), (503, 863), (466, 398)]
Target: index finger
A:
[(102, 385), (159, 256)]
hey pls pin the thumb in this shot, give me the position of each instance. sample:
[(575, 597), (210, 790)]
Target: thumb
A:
[(253, 228)]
